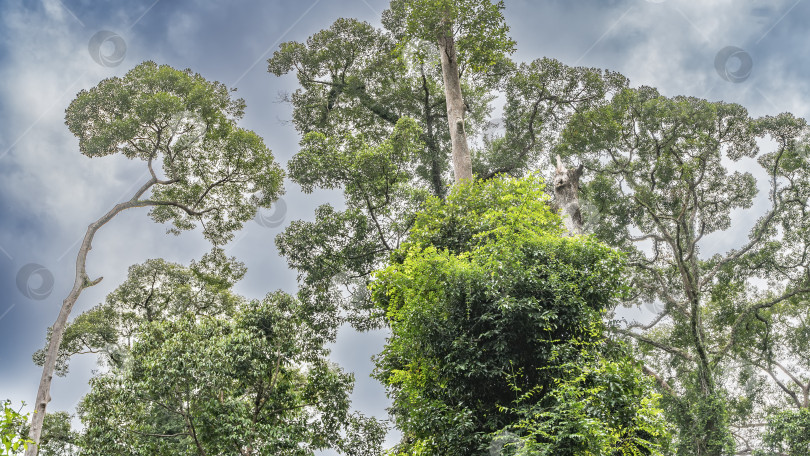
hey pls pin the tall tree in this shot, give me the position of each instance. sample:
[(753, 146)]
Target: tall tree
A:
[(469, 35), (660, 180), (156, 113), (496, 322), (356, 85)]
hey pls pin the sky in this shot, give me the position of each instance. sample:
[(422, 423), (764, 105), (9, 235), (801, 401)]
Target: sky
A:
[(751, 52)]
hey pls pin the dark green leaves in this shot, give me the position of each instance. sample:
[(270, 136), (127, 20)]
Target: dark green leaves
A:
[(487, 305)]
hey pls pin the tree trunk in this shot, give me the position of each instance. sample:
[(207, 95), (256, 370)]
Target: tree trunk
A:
[(80, 282), (462, 162), (566, 196)]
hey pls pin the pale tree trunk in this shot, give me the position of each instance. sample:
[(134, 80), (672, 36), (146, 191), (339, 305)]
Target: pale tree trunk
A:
[(81, 282), (462, 163), (566, 196)]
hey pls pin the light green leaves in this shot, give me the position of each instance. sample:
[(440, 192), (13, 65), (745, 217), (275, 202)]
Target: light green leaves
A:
[(495, 316), (209, 165), (11, 422)]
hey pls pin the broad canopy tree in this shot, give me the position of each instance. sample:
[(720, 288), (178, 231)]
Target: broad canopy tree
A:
[(658, 177), (211, 171), (336, 253), (194, 369)]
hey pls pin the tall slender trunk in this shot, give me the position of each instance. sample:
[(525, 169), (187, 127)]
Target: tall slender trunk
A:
[(80, 282), (462, 162)]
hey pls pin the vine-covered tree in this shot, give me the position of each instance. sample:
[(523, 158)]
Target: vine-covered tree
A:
[(355, 86), (496, 326), (212, 172), (660, 177)]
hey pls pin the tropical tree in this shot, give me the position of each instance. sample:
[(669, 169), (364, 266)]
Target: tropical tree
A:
[(358, 91), (496, 326), (257, 383), (192, 368), (658, 176), (659, 179), (212, 172)]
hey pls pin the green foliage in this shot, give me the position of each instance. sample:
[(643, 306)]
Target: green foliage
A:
[(598, 405), (486, 303), (541, 97), (662, 167), (478, 26), (788, 432), (58, 438), (156, 290), (209, 164), (11, 437), (258, 383)]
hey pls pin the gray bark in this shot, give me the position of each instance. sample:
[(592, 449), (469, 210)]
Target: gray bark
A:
[(462, 162), (81, 281)]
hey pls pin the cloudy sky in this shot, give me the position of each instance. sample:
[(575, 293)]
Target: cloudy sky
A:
[(752, 52)]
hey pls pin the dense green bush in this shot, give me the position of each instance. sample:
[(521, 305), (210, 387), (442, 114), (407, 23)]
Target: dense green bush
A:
[(496, 320)]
